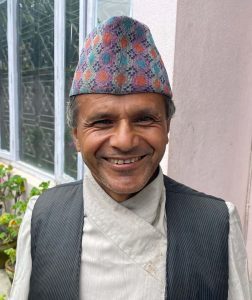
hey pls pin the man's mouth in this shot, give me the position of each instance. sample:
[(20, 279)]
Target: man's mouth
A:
[(124, 161)]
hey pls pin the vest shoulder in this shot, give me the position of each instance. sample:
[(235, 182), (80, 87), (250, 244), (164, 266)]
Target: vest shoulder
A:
[(195, 208), (68, 184), (58, 194), (172, 186), (62, 187)]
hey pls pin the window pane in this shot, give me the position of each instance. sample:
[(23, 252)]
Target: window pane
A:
[(72, 45), (109, 8), (36, 48), (4, 96)]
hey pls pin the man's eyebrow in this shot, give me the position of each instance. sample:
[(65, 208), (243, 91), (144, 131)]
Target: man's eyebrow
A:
[(147, 111), (110, 115), (100, 116)]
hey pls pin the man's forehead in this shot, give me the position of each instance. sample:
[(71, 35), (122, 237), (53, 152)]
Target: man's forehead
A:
[(133, 96), (108, 104)]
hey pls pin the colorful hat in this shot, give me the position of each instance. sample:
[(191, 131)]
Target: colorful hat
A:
[(120, 57)]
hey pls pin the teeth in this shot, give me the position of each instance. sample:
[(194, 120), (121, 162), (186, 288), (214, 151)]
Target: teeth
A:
[(126, 161)]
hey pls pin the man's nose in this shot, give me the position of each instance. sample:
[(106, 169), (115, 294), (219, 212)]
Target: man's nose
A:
[(124, 137)]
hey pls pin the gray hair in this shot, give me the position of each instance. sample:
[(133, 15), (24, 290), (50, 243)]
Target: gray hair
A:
[(72, 110), (169, 107)]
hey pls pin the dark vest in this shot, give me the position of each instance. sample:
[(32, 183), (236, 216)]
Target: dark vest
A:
[(197, 251)]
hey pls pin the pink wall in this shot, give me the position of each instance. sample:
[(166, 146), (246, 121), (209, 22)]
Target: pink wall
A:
[(211, 134)]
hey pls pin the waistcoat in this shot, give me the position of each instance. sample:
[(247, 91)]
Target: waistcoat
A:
[(197, 248)]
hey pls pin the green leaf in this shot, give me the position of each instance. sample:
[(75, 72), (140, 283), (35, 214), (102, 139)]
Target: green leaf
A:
[(11, 252), (3, 297)]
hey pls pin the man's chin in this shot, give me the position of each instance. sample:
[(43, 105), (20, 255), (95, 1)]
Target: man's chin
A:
[(123, 192)]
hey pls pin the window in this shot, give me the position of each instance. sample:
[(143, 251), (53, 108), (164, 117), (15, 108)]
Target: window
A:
[(44, 39), (36, 65), (109, 8), (71, 60), (4, 96)]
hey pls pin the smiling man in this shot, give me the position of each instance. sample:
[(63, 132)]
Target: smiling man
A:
[(126, 231), (122, 146)]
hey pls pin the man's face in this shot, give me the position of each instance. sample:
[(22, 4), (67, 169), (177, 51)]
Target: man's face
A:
[(122, 139)]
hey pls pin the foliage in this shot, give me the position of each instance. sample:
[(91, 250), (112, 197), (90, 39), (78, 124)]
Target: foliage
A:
[(9, 226), (11, 186), (36, 191), (11, 252), (10, 223)]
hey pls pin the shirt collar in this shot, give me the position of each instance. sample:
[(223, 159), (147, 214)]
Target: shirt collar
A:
[(145, 204)]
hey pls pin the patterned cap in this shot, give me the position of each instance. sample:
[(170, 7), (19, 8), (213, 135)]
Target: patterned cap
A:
[(120, 57)]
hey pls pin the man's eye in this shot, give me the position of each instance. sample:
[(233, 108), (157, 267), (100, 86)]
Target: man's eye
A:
[(102, 122), (145, 120)]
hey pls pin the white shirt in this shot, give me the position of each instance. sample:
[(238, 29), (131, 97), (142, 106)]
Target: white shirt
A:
[(125, 247)]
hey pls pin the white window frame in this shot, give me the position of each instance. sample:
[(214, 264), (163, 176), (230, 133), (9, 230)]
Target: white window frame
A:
[(12, 156)]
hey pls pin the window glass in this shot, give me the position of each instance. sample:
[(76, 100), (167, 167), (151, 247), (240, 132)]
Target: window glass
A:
[(109, 8), (4, 95), (36, 46), (72, 50)]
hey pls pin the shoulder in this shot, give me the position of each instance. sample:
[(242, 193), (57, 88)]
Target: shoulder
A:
[(58, 196), (64, 186), (175, 187), (75, 185), (196, 214), (185, 199)]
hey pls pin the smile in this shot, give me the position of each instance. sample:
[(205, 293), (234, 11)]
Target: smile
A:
[(124, 161)]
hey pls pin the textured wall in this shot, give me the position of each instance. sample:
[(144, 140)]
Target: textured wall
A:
[(211, 135)]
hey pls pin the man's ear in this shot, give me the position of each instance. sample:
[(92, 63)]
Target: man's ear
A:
[(75, 139)]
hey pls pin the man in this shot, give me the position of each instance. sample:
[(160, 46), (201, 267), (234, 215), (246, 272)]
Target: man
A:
[(127, 231)]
